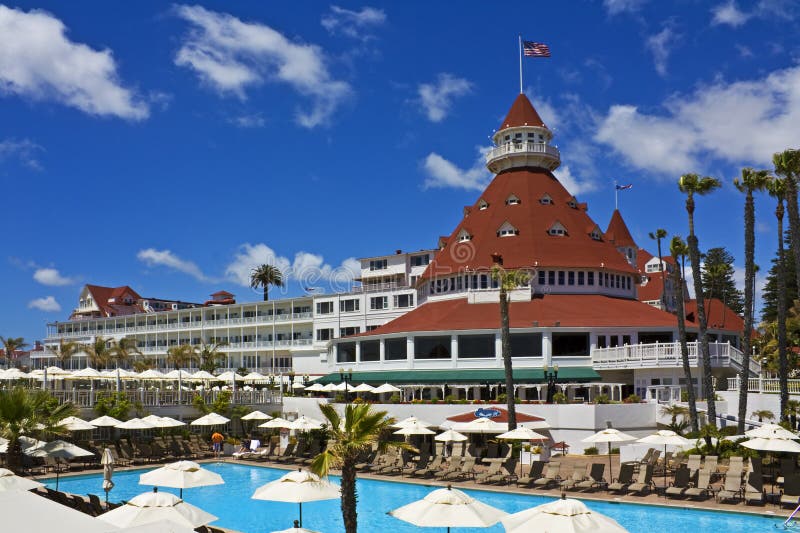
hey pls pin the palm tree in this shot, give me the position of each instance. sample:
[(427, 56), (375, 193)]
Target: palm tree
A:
[(674, 411), (777, 189), (210, 356), (678, 250), (762, 414), (11, 345), (657, 236), (30, 413), (792, 408), (124, 350), (351, 436), (508, 281), (65, 350), (182, 356), (691, 185), (99, 352), (787, 165), (265, 275), (750, 182)]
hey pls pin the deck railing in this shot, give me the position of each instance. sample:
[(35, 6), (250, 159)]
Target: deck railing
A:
[(667, 354), (764, 385)]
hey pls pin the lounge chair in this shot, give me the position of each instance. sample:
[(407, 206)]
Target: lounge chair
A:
[(595, 479), (702, 488), (620, 484), (466, 471), (711, 463), (693, 463), (494, 468), (298, 451), (395, 465), (506, 474), (430, 469), (790, 495), (551, 475), (579, 473), (453, 467), (309, 453), (678, 486), (97, 505), (534, 473), (286, 454), (754, 487), (644, 481), (732, 488), (421, 463)]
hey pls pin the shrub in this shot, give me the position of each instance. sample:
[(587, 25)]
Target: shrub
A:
[(633, 398), (462, 402), (449, 399), (359, 400), (395, 398), (614, 451), (559, 397), (590, 451), (601, 399), (434, 400), (502, 398), (115, 405)]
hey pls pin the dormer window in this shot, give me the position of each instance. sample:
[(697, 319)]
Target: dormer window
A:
[(464, 236), (572, 203), (546, 200), (512, 200), (557, 229), (507, 230), (596, 234), (483, 204)]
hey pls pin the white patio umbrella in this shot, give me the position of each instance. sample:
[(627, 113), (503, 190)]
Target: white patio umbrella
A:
[(276, 422), (305, 424), (566, 515), (522, 433), (105, 421), (448, 508), (10, 481), (255, 376), (86, 373), (298, 386), (58, 448), (256, 415), (211, 419), (330, 387), (316, 387), (160, 527), (666, 438), (178, 374), (229, 376), (24, 442), (411, 420), (202, 375), (135, 423), (298, 487), (480, 425), (771, 431), (73, 423), (157, 507), (181, 475), (386, 387), (361, 388), (414, 429), (295, 529), (25, 511), (151, 374), (56, 371), (608, 435), (107, 460), (450, 436), (167, 422), (772, 445)]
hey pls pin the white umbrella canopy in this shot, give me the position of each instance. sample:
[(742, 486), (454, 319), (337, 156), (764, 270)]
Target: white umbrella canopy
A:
[(10, 481), (56, 371), (255, 376), (25, 442), (157, 507), (298, 385), (151, 374), (608, 435), (386, 387), (480, 425), (295, 529), (167, 422), (277, 422), (178, 374), (256, 415), (772, 445), (86, 373), (666, 437), (229, 376), (305, 424), (522, 433), (135, 423), (211, 419), (181, 475), (157, 421), (298, 487), (565, 515), (411, 421), (330, 387), (414, 429), (448, 508), (361, 388), (25, 511), (107, 460), (160, 527), (105, 421), (201, 375), (316, 387), (58, 448), (771, 431), (73, 423), (450, 436)]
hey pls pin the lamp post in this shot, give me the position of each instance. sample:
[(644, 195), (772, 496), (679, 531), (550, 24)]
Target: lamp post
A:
[(347, 377), (290, 388), (551, 378)]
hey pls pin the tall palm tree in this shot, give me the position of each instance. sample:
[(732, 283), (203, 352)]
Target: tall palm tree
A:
[(65, 350), (678, 250), (210, 356), (265, 275), (182, 356), (787, 166), (657, 235), (750, 182), (29, 413), (349, 437), (124, 350), (99, 352), (777, 189), (508, 280), (11, 345), (691, 185)]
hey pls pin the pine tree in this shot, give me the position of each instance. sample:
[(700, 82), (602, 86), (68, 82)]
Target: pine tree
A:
[(769, 311), (718, 279)]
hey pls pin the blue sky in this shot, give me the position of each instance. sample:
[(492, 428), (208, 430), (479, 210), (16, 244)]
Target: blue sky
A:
[(171, 147)]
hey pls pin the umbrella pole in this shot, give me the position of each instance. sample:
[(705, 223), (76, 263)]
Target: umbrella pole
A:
[(609, 459), (301, 514)]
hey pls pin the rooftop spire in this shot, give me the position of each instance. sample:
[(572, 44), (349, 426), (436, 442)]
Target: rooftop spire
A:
[(522, 113)]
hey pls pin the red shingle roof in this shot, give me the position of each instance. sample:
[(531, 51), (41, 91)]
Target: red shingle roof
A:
[(501, 418), (718, 315), (102, 295), (617, 232), (521, 113), (532, 246)]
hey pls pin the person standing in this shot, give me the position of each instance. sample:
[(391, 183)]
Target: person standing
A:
[(217, 439)]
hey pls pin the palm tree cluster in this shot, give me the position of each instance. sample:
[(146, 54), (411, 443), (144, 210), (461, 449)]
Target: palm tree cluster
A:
[(10, 347)]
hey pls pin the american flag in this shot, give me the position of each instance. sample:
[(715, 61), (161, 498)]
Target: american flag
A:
[(624, 187), (531, 49)]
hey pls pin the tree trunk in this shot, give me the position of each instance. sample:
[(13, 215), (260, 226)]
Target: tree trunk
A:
[(266, 292), (687, 370), (783, 370), (15, 455), (349, 497), (794, 221), (749, 275), (708, 383), (507, 364), (663, 285)]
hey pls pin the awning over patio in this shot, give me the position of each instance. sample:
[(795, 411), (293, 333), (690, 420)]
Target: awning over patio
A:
[(497, 414), (577, 374)]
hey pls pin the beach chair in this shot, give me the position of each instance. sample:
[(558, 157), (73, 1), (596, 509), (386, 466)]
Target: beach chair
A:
[(702, 488), (644, 481), (595, 479), (711, 463), (494, 468), (394, 465), (732, 488), (366, 460), (620, 484), (453, 467), (466, 471), (790, 495), (420, 464), (534, 473), (754, 488), (579, 473), (309, 453), (550, 477), (429, 469), (287, 452), (507, 472), (693, 463), (678, 486), (97, 505)]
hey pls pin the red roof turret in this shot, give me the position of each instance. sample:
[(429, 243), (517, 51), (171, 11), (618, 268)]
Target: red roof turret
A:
[(522, 113), (617, 232)]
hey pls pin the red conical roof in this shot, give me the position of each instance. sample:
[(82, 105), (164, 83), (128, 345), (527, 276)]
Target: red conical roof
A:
[(521, 113), (617, 232)]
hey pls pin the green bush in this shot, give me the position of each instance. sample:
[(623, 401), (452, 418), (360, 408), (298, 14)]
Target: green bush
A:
[(449, 399), (633, 398), (115, 405), (395, 398), (559, 397), (590, 451), (502, 398), (601, 399)]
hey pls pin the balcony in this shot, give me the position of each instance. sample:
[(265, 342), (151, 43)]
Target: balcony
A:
[(667, 354), (522, 154)]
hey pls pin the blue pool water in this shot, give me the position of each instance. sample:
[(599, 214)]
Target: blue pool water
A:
[(236, 510)]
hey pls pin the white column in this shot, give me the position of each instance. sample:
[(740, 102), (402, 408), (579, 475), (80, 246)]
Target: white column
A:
[(454, 350), (382, 350), (410, 351), (498, 349), (358, 353), (547, 347)]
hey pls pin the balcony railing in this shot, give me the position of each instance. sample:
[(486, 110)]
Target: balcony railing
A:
[(764, 385), (159, 398), (523, 148), (667, 354)]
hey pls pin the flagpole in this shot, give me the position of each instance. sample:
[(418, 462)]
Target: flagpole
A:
[(520, 63), (616, 196)]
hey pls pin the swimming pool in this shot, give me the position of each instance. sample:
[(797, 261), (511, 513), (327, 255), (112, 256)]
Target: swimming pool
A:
[(236, 510)]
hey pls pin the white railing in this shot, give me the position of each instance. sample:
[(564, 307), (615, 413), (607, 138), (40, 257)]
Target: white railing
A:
[(765, 385), (523, 148), (666, 354), (158, 397)]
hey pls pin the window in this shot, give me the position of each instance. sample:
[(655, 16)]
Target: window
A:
[(395, 349), (472, 346), (324, 308), (551, 277), (560, 277), (595, 234), (407, 300), (512, 200), (483, 204), (542, 276), (570, 278), (371, 328), (464, 236), (420, 260), (580, 278), (557, 229), (325, 334), (378, 264), (349, 306), (626, 340), (432, 347), (346, 352), (590, 278), (507, 230), (351, 330), (370, 350), (546, 200), (601, 341), (570, 344), (572, 204), (526, 344), (379, 302)]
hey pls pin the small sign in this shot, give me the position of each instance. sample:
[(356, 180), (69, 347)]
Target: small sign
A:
[(487, 413)]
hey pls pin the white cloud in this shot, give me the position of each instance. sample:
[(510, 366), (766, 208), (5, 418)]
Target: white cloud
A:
[(549, 114), (51, 277), (25, 151), (442, 173), (355, 24), (248, 121), (231, 56), (574, 185), (437, 97), (47, 304), (660, 46), (728, 14), (166, 258), (38, 61), (708, 123), (615, 7)]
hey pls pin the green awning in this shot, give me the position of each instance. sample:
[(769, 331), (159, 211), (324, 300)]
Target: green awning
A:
[(575, 374)]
